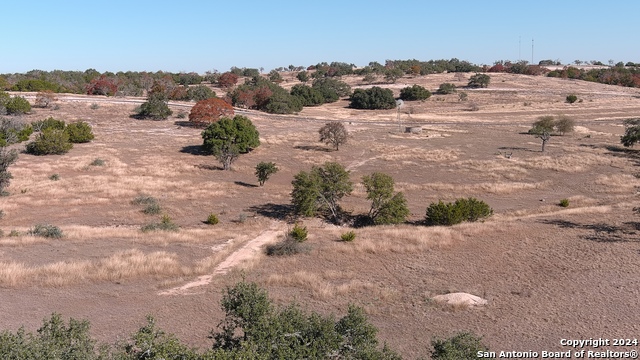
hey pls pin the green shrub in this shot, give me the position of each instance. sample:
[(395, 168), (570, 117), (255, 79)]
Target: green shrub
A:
[(461, 210), (348, 236), (479, 81), (373, 99), (264, 170), (54, 177), (13, 130), (94, 106), (298, 233), (446, 88), (212, 219), (200, 92), (50, 141), (415, 92), (46, 230), (564, 203), (571, 98), (17, 106), (155, 108), (288, 246), (462, 346), (166, 224), (48, 123), (79, 132)]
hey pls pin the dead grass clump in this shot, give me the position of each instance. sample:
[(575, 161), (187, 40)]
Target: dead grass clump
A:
[(490, 187), (399, 153), (618, 182)]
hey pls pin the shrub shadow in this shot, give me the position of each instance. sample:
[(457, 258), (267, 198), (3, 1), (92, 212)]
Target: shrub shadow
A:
[(602, 232), (312, 148), (194, 150), (242, 183), (274, 211), (208, 167)]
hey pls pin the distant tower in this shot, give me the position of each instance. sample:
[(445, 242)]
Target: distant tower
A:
[(531, 51)]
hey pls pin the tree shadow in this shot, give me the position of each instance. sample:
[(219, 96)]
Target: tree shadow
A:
[(242, 183), (208, 167), (602, 232), (623, 152), (512, 148), (274, 211), (312, 148), (194, 150)]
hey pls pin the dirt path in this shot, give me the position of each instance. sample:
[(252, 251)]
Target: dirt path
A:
[(250, 250)]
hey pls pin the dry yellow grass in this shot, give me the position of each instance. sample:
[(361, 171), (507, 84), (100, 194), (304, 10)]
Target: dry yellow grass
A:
[(488, 187), (120, 266)]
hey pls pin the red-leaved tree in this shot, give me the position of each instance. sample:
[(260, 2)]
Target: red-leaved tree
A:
[(102, 86), (227, 80), (210, 110)]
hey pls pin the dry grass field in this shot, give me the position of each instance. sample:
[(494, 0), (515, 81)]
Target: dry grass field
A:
[(547, 272)]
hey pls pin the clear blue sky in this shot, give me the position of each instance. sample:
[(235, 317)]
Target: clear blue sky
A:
[(201, 35)]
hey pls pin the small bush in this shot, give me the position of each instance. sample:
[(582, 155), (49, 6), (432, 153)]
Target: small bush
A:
[(372, 99), (14, 233), (94, 106), (1, 214), (152, 209), (348, 236), (415, 92), (446, 88), (166, 224), (288, 246), (459, 347), (97, 162), (212, 219), (181, 114), (54, 177), (46, 230), (144, 200), (564, 203), (571, 98), (242, 218), (48, 123), (50, 141), (461, 210), (298, 233), (79, 132), (17, 106)]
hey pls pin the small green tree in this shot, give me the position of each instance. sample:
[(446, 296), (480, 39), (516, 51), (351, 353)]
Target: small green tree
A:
[(564, 124), (264, 170), (334, 133), (155, 107), (572, 98), (386, 208), (462, 346), (479, 81), (227, 138), (274, 76), (461, 210), (631, 132), (50, 141), (321, 189)]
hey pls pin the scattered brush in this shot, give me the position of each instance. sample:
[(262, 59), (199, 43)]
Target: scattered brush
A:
[(46, 230), (348, 236), (166, 224), (97, 162)]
